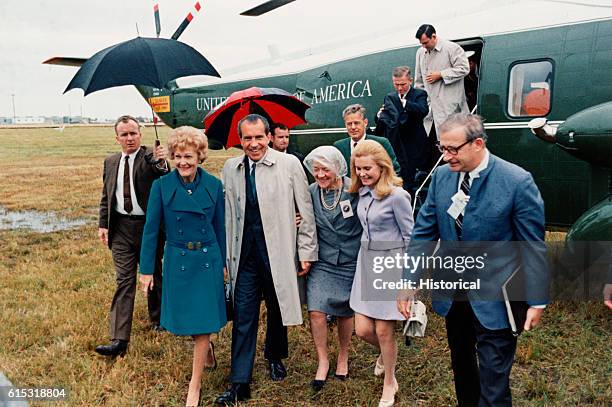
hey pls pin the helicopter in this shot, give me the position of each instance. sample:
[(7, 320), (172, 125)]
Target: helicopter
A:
[(543, 89)]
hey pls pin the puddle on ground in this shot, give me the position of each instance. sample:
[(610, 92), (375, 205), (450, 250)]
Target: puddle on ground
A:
[(41, 222)]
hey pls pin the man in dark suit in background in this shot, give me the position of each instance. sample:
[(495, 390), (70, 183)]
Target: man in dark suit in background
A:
[(356, 122), (279, 139), (127, 180), (400, 120)]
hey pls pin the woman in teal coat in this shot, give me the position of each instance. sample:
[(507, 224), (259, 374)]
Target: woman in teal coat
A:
[(188, 204)]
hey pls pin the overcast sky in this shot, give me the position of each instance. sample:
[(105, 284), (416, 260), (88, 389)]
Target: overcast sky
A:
[(35, 30)]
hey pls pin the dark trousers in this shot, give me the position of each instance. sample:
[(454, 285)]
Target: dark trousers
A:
[(255, 278), (434, 153), (125, 247), (481, 359)]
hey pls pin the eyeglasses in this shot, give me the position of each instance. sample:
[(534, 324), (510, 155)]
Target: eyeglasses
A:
[(452, 150)]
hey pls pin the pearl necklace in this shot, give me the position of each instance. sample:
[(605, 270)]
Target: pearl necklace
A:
[(335, 201)]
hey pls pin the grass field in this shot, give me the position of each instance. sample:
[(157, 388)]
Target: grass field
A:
[(56, 289)]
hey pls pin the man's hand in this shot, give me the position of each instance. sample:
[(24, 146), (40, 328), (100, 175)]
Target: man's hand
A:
[(607, 293), (533, 318), (225, 275), (103, 235), (404, 302), (433, 77), (298, 220), (305, 266), (146, 283), (160, 153)]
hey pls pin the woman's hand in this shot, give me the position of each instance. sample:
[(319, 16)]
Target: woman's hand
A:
[(146, 283), (404, 302), (225, 275)]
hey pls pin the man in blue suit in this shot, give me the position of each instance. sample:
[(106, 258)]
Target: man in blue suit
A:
[(478, 197)]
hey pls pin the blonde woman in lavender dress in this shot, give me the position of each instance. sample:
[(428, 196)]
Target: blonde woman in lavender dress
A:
[(385, 213)]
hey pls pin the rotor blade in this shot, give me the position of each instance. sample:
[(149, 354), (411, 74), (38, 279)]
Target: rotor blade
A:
[(265, 7), (186, 22), (66, 61), (157, 21), (581, 3)]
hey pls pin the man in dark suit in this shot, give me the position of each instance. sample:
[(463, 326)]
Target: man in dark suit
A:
[(478, 197), (263, 190), (127, 180), (356, 123), (279, 139), (400, 120)]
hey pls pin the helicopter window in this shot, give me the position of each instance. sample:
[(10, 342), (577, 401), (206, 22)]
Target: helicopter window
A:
[(529, 88)]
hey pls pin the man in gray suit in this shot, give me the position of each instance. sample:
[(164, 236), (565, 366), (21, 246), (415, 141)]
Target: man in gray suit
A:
[(127, 179), (440, 68), (478, 197)]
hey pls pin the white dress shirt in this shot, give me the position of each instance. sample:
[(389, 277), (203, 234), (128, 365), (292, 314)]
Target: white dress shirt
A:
[(403, 99), (358, 141), (475, 173), (136, 208)]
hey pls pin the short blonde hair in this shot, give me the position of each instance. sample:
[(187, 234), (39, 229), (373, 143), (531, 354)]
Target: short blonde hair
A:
[(388, 179), (185, 137)]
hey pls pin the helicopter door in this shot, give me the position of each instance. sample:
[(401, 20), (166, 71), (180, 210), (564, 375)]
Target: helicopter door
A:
[(473, 49)]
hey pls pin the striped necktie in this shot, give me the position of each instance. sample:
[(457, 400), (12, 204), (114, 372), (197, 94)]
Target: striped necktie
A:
[(465, 187)]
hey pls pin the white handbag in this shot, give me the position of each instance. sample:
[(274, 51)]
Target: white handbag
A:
[(416, 324)]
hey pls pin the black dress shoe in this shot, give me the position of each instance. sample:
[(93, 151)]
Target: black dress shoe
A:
[(236, 392), (117, 347), (277, 370), (341, 377), (317, 385)]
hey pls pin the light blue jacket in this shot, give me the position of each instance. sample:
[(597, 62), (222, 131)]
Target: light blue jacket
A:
[(505, 205)]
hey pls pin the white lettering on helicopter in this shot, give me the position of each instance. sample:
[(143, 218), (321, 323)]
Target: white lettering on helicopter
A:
[(209, 103), (330, 93), (339, 91)]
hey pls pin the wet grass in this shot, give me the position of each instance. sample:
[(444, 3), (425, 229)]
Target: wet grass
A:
[(56, 288), (48, 170)]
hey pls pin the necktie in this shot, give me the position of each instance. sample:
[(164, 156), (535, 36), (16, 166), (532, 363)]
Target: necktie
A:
[(354, 144), (465, 187), (127, 195), (252, 179)]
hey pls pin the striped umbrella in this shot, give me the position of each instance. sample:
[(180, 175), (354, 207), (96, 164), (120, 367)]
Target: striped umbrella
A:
[(276, 105)]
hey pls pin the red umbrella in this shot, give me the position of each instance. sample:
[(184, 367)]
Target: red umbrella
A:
[(276, 105)]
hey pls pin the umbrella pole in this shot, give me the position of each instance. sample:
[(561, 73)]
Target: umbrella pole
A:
[(157, 142)]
